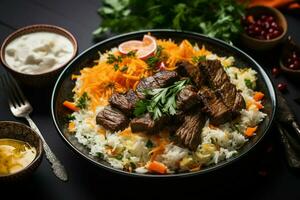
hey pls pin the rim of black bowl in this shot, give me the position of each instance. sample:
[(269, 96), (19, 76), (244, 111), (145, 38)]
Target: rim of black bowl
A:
[(212, 168)]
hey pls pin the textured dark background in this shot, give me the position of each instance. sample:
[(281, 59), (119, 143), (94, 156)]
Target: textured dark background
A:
[(263, 174)]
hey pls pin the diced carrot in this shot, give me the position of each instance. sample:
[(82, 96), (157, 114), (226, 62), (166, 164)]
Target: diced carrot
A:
[(250, 131), (70, 105), (157, 167), (258, 96), (259, 105)]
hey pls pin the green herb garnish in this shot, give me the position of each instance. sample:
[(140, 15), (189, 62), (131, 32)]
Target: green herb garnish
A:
[(132, 165), (131, 53), (215, 18), (141, 107), (70, 117), (116, 67), (111, 58), (149, 144), (82, 101), (162, 100), (119, 157), (124, 68), (154, 60), (100, 155), (249, 84), (197, 59)]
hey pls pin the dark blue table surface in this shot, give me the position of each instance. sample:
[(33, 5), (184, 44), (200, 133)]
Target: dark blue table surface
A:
[(263, 174)]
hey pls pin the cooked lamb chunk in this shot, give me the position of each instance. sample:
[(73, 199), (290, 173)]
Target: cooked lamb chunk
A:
[(189, 133), (158, 80), (112, 119), (145, 123), (165, 78), (186, 69), (220, 81), (132, 97), (147, 83), (187, 98), (124, 102), (217, 111)]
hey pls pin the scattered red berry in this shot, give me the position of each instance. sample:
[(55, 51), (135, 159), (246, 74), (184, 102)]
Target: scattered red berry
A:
[(293, 61), (275, 71), (282, 87)]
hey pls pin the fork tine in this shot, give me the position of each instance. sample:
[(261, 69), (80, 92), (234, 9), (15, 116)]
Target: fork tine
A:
[(13, 98), (17, 88)]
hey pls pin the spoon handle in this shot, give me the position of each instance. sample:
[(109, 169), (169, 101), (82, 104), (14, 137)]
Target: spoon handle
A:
[(57, 167)]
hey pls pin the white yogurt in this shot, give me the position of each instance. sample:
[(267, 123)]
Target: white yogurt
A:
[(38, 52)]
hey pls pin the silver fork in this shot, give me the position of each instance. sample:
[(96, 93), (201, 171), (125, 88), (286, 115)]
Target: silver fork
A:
[(20, 107)]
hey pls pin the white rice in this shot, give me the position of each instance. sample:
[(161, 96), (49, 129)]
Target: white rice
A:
[(217, 143)]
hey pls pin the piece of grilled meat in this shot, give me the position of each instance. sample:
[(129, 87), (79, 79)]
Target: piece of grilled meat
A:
[(112, 119)]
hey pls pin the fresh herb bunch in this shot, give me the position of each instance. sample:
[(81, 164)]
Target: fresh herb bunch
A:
[(215, 18), (160, 101)]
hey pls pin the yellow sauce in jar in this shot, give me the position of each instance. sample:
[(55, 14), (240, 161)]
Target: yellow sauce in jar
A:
[(15, 155)]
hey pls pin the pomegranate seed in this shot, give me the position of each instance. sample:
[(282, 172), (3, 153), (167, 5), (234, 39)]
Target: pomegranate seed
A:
[(291, 66), (276, 33), (274, 25), (259, 22), (271, 30), (289, 61), (294, 55), (275, 71), (267, 25), (282, 87), (257, 30), (270, 19), (296, 63)]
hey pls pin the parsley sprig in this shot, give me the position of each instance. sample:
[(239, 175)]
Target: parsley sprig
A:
[(83, 101), (156, 58), (160, 101), (116, 60)]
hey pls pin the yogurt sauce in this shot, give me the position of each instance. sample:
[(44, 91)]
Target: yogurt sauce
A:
[(38, 52)]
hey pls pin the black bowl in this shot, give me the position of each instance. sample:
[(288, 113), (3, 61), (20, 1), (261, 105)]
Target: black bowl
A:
[(64, 85)]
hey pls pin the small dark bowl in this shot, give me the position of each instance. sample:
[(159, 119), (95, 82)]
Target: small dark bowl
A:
[(263, 45), (37, 80), (287, 50), (18, 131)]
